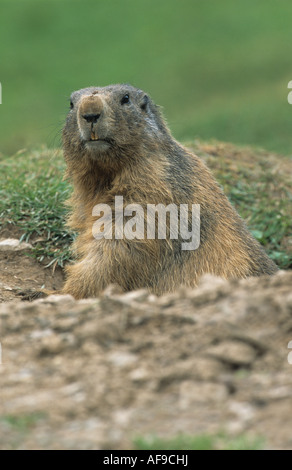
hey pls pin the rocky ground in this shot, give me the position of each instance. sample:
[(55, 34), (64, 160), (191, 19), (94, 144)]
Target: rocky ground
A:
[(98, 373)]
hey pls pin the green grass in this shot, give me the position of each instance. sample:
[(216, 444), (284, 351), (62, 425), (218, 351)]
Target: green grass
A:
[(219, 69), (199, 442), (33, 195), (22, 423), (259, 186), (18, 426)]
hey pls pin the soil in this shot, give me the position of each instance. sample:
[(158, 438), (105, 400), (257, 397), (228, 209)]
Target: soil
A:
[(98, 373)]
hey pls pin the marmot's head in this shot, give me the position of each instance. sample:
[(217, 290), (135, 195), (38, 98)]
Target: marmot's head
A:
[(111, 123)]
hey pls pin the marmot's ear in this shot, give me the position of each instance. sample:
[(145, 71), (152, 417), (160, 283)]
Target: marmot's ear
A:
[(144, 103)]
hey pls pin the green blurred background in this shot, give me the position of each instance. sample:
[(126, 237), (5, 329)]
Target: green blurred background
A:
[(219, 69)]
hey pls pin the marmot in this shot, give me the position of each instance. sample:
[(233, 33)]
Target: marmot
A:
[(116, 143)]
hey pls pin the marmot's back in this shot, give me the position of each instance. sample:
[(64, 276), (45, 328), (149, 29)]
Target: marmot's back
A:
[(116, 144)]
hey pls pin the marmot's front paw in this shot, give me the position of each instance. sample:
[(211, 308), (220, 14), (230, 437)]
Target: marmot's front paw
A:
[(30, 295)]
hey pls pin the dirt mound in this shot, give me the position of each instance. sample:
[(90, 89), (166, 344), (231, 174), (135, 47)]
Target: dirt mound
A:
[(20, 271), (97, 373)]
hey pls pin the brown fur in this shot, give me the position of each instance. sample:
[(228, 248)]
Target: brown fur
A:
[(137, 158)]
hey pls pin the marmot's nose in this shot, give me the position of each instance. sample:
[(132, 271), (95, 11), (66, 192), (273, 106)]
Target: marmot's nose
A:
[(91, 117)]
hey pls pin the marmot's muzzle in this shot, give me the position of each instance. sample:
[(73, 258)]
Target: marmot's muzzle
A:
[(89, 112)]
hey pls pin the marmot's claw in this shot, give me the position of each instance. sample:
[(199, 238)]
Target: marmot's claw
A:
[(30, 295)]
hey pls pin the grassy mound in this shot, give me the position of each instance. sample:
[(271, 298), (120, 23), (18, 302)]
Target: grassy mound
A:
[(258, 184)]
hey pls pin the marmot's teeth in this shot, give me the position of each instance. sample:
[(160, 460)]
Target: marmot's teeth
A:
[(93, 136)]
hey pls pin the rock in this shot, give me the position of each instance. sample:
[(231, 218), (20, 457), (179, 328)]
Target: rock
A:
[(12, 244), (234, 353)]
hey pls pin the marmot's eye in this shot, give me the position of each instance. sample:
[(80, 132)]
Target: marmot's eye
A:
[(71, 105), (125, 99)]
